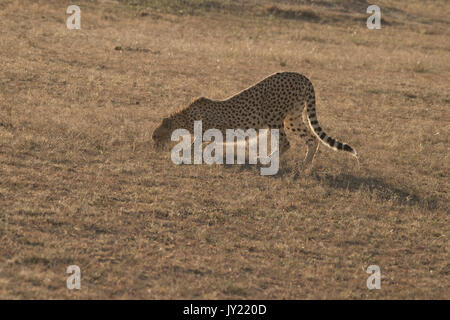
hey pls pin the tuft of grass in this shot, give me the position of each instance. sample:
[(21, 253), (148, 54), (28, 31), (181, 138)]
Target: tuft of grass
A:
[(293, 13), (188, 7), (233, 290), (419, 67)]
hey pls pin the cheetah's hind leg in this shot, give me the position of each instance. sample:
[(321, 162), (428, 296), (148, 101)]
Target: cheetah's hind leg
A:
[(295, 124)]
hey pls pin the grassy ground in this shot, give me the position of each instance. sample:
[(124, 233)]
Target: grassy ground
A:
[(80, 183)]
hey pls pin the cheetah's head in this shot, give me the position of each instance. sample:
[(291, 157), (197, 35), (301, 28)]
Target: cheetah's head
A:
[(161, 135)]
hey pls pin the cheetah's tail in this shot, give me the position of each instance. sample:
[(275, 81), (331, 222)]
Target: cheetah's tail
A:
[(317, 130)]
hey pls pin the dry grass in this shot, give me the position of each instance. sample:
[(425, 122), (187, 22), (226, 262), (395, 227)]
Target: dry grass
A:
[(80, 183)]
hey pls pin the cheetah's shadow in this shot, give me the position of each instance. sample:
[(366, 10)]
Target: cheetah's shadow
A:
[(383, 189), (348, 181)]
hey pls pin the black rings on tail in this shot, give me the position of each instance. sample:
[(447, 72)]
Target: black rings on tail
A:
[(318, 131)]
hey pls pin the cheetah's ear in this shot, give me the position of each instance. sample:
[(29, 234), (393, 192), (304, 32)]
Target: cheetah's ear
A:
[(201, 100), (166, 122)]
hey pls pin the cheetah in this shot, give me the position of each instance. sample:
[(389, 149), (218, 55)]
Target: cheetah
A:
[(276, 102)]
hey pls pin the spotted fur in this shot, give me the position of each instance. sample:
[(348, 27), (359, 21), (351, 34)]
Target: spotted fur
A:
[(277, 101)]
